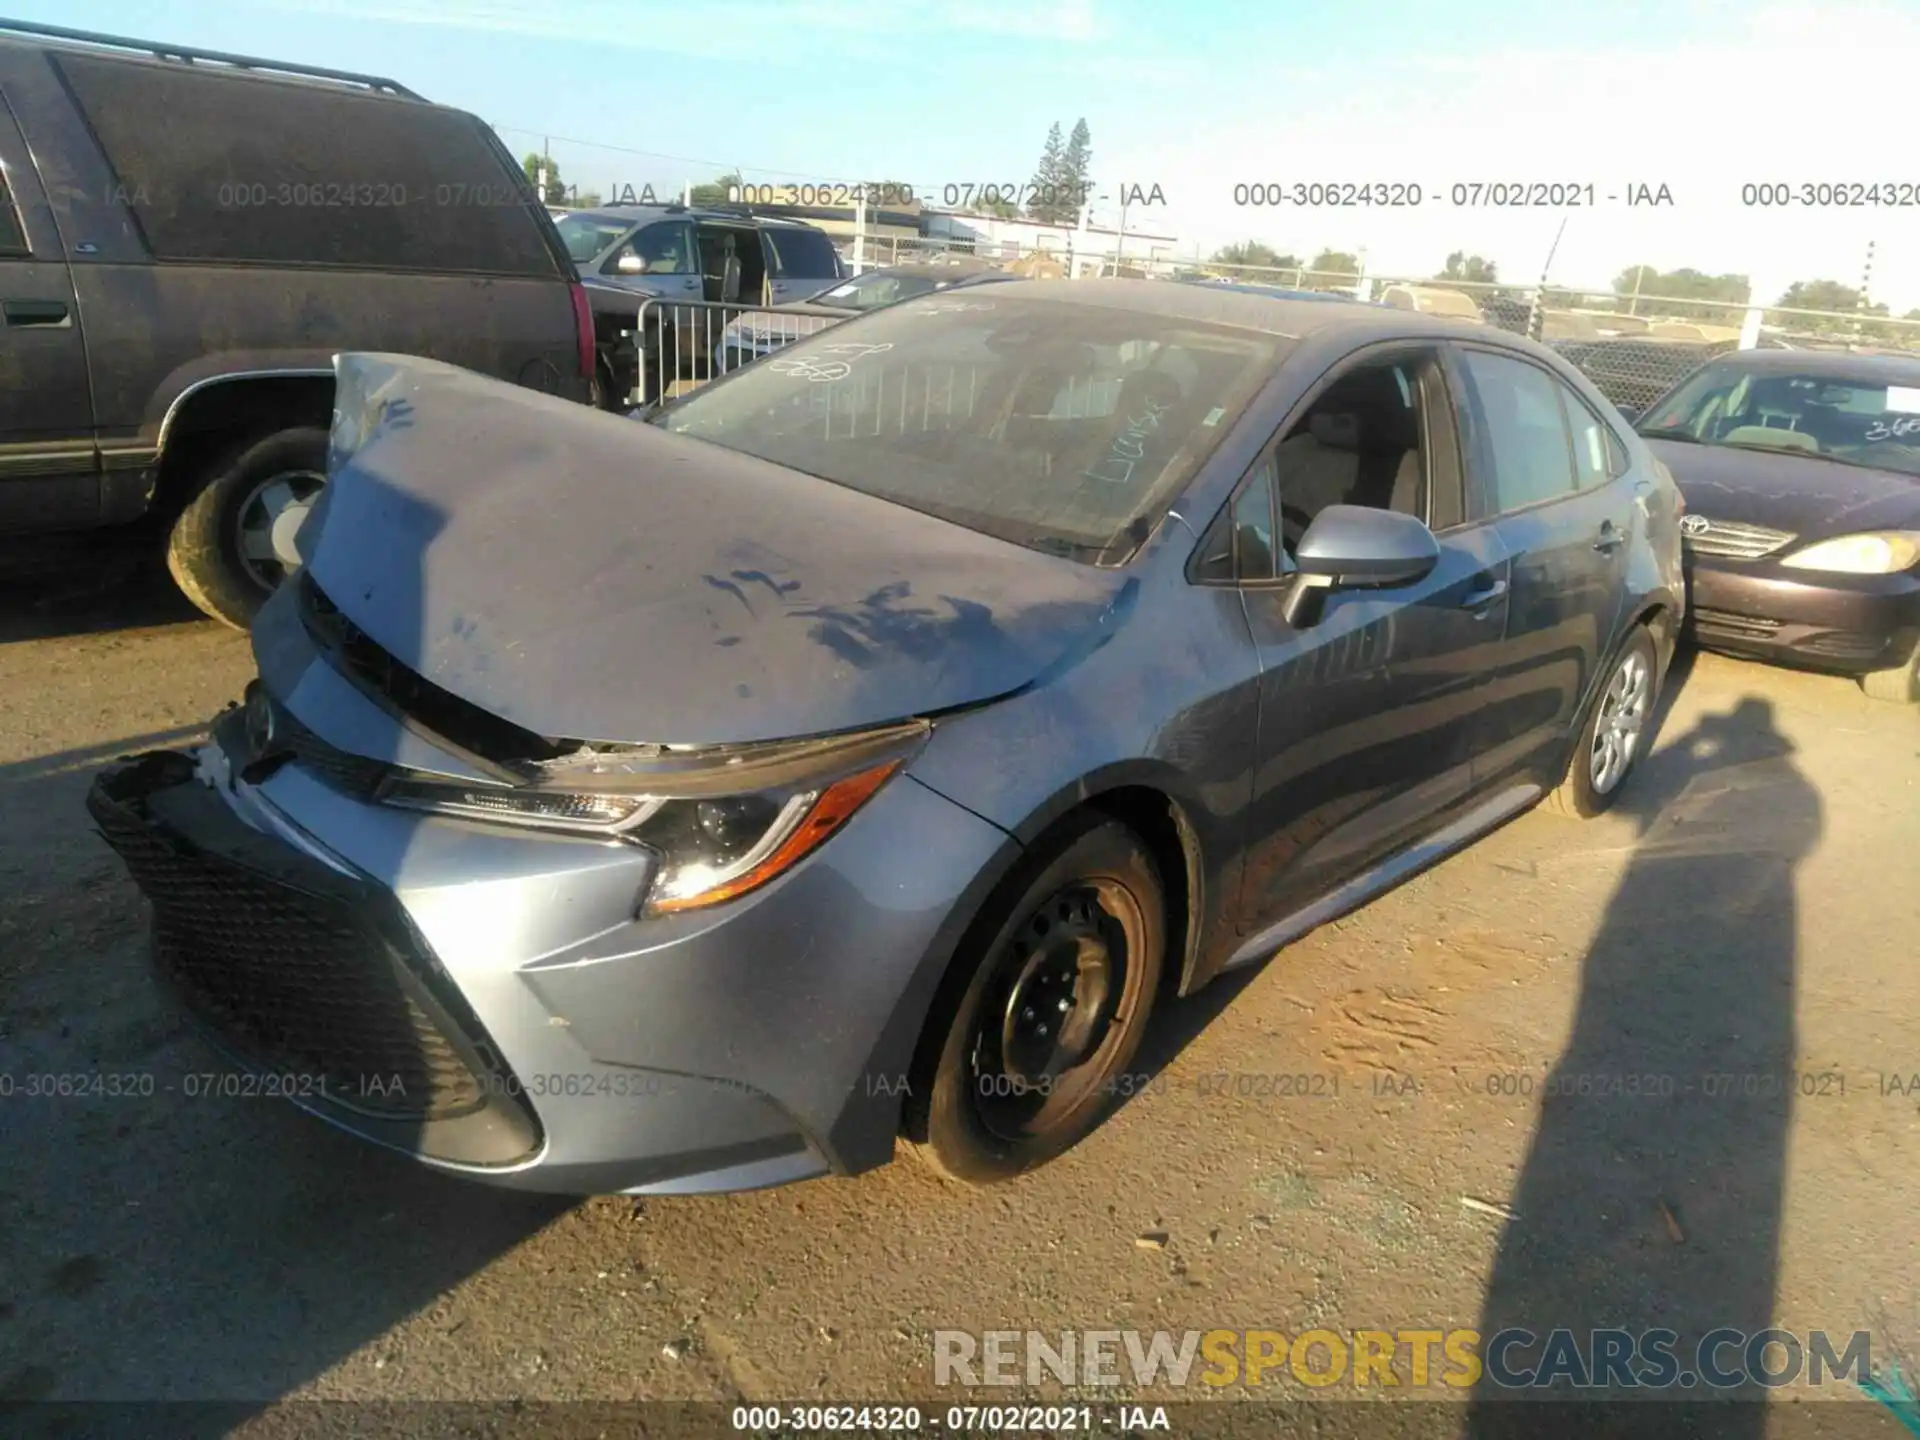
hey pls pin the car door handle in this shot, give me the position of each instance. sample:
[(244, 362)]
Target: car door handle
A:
[(1485, 595), (35, 312), (1611, 538)]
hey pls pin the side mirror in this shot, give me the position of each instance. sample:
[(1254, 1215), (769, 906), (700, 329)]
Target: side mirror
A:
[(1355, 546), (630, 263)]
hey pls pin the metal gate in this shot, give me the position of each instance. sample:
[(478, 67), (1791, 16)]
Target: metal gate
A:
[(678, 345)]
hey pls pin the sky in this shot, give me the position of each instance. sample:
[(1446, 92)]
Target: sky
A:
[(1702, 97)]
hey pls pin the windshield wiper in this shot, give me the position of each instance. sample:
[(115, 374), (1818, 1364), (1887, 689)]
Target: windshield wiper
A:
[(1680, 435)]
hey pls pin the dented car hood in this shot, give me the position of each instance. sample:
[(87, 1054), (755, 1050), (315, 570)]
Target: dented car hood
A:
[(590, 578)]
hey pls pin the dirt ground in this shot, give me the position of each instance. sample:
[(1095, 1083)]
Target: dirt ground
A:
[(1749, 911)]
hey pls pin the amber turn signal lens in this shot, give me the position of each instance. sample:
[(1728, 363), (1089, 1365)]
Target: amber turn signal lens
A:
[(836, 806)]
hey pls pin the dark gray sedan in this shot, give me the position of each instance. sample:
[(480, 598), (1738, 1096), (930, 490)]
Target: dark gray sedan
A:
[(867, 744)]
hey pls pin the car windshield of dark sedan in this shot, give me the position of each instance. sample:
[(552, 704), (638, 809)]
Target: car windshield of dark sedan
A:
[(1056, 425), (874, 289), (1857, 421), (585, 237)]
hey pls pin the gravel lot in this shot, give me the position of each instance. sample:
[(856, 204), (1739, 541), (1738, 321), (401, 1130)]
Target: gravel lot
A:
[(1750, 911)]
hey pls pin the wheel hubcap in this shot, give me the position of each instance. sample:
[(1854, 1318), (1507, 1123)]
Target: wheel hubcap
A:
[(268, 521), (1622, 719), (1056, 1007)]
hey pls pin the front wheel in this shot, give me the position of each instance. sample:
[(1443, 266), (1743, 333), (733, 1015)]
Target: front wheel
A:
[(1618, 729), (1901, 686), (1035, 1050), (233, 544)]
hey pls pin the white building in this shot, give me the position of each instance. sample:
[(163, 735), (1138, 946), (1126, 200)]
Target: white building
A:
[(994, 238)]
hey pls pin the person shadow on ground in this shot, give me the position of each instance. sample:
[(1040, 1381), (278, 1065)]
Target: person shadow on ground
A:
[(1651, 1194)]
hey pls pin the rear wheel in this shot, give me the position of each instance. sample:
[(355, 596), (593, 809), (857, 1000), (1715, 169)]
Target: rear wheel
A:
[(233, 544), (1054, 1008), (1901, 686), (1617, 731)]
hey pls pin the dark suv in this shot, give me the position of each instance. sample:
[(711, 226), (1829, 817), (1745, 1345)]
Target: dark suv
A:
[(187, 238)]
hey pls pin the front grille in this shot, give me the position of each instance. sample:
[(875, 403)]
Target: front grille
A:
[(1732, 626), (1732, 540), (300, 983)]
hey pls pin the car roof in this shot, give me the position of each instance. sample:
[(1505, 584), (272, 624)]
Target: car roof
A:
[(1828, 364), (21, 34), (1241, 308)]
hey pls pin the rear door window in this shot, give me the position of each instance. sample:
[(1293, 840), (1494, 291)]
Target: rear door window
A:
[(237, 168), (802, 254), (1525, 436)]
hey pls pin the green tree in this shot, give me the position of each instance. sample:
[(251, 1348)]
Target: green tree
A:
[(1252, 254), (556, 193), (1472, 269), (1335, 262), (1824, 295), (1647, 291), (1075, 183), (1048, 175), (716, 191)]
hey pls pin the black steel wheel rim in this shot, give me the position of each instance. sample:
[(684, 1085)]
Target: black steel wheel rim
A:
[(1060, 993)]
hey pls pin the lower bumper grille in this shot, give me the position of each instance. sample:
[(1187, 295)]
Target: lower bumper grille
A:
[(1845, 645), (300, 980), (1743, 627)]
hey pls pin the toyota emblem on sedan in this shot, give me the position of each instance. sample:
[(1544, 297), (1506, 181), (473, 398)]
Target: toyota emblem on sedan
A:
[(1695, 525)]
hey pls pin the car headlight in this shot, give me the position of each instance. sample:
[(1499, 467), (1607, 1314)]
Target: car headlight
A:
[(1884, 552), (722, 822)]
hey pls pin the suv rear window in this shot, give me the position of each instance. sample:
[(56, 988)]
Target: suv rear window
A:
[(804, 254), (222, 167), (13, 240)]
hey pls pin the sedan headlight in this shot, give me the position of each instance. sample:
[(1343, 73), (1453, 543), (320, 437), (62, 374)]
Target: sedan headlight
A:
[(721, 822), (1884, 552)]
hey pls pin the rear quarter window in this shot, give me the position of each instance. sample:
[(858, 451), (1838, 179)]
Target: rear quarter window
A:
[(220, 167), (804, 254)]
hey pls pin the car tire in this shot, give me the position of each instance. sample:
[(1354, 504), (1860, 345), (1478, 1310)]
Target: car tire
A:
[(1901, 686), (1618, 728), (206, 550), (1086, 931)]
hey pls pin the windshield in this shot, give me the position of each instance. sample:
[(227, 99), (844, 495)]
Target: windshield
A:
[(585, 236), (874, 289), (1857, 421), (1065, 427)]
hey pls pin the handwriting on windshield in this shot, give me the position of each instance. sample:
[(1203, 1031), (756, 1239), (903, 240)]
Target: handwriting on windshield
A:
[(812, 367), (1881, 430), (1129, 446)]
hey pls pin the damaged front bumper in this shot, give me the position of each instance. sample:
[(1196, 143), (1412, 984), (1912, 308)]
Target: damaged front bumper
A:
[(492, 1002), (300, 968)]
